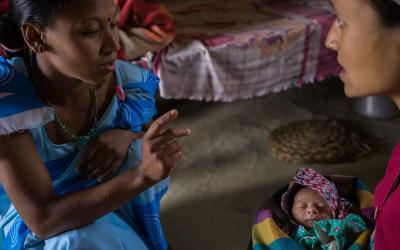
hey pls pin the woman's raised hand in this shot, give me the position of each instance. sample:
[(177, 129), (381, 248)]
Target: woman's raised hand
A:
[(160, 148)]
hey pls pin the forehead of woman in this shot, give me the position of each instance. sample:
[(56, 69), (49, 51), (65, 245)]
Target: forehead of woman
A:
[(360, 15), (354, 7), (78, 11)]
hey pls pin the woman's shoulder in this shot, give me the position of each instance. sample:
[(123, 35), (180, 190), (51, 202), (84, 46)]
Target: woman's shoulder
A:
[(136, 91), (20, 108), (131, 76)]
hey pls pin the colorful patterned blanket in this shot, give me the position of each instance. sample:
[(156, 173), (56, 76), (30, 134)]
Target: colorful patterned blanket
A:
[(238, 49), (271, 227)]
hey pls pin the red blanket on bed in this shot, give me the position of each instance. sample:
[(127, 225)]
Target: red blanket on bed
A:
[(137, 20)]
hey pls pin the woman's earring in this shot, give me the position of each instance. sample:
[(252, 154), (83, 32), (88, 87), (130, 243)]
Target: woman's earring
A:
[(31, 53), (40, 48)]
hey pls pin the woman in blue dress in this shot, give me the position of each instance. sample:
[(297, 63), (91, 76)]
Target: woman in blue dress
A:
[(82, 163)]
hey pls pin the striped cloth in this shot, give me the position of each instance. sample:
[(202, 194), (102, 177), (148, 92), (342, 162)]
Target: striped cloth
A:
[(272, 226)]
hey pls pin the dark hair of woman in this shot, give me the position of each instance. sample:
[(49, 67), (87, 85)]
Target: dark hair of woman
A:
[(389, 12), (40, 12)]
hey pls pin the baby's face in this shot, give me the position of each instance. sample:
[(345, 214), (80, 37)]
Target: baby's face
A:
[(309, 206)]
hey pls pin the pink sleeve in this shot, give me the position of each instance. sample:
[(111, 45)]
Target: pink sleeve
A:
[(386, 183)]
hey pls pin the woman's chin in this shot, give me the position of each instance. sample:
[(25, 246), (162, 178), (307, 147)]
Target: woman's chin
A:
[(348, 92), (351, 92)]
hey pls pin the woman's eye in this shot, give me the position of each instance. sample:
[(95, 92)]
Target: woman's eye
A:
[(339, 22), (90, 33)]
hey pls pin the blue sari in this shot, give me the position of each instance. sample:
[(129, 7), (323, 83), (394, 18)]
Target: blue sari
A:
[(136, 224)]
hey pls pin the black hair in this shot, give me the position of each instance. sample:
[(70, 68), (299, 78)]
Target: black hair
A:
[(389, 12), (10, 35), (40, 12)]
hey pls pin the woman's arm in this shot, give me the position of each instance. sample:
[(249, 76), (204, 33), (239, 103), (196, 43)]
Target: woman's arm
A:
[(27, 182)]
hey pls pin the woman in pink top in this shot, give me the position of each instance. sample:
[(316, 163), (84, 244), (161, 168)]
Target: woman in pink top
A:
[(366, 35)]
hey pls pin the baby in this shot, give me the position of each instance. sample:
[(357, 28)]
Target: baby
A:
[(309, 206), (313, 203)]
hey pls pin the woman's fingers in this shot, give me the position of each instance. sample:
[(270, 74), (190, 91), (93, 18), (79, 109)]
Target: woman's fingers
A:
[(111, 170), (97, 161), (163, 163), (105, 174), (160, 123), (170, 148), (86, 158), (169, 135), (108, 173), (102, 167), (170, 155), (161, 149), (174, 158)]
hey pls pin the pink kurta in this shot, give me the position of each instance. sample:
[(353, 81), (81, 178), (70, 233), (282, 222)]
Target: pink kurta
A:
[(387, 206)]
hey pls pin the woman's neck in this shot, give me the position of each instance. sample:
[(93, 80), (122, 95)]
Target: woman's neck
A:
[(74, 101), (56, 87)]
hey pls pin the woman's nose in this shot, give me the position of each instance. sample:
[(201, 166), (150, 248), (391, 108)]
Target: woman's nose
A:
[(332, 40), (111, 42)]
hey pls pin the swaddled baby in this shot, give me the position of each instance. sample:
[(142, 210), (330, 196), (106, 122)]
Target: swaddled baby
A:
[(313, 203)]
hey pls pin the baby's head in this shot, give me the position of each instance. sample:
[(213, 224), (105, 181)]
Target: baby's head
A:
[(309, 206), (312, 197)]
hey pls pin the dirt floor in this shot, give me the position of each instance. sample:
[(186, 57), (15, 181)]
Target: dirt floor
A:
[(227, 170)]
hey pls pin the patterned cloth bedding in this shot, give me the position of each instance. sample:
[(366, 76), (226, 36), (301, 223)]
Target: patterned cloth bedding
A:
[(239, 49)]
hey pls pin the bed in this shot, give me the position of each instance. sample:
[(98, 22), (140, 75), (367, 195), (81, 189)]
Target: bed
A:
[(239, 49)]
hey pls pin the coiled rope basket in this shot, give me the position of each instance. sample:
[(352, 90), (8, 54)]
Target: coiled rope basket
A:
[(316, 141)]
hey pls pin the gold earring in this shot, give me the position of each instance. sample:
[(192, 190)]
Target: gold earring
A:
[(40, 48)]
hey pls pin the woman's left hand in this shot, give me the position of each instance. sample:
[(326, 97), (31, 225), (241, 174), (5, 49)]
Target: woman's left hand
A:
[(106, 154)]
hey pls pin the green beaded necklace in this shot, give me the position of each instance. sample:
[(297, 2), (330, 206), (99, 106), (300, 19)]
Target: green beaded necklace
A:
[(79, 138)]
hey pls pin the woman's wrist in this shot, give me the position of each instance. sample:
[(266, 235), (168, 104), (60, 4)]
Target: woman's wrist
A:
[(130, 134), (138, 179)]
